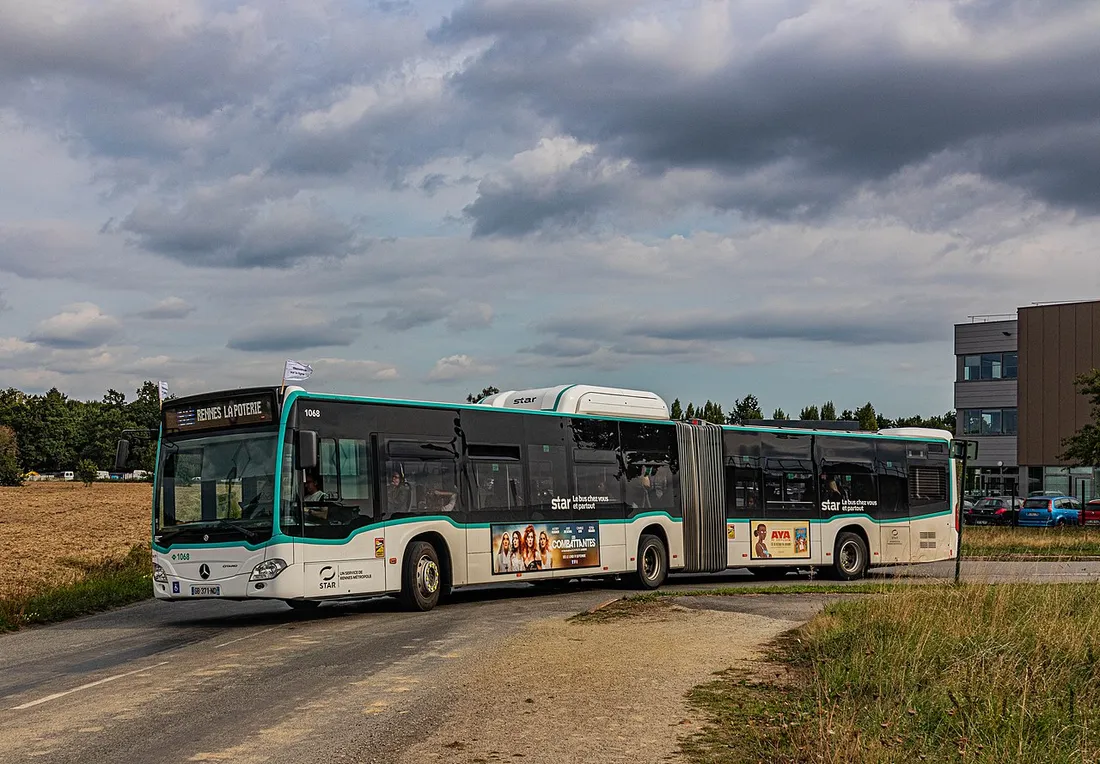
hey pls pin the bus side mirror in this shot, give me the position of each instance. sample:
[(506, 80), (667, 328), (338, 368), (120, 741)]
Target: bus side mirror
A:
[(122, 455), (306, 451), (964, 449)]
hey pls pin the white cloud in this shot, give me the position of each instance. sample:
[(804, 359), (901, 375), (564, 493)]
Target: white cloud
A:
[(168, 308), (456, 367), (81, 325)]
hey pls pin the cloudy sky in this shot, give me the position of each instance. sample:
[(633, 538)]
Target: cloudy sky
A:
[(786, 197)]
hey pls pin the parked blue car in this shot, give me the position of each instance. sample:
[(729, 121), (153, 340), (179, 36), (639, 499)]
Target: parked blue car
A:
[(1048, 511)]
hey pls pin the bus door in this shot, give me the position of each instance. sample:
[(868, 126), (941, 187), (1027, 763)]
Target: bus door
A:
[(342, 547), (931, 518), (499, 499), (893, 505)]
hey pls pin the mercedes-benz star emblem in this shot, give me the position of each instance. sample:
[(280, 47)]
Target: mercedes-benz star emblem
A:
[(204, 571), (206, 537)]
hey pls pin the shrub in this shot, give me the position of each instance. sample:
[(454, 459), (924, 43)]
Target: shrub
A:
[(86, 471)]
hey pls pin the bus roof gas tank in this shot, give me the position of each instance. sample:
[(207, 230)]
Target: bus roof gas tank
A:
[(583, 399)]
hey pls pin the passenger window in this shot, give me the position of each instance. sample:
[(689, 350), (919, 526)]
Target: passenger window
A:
[(548, 475), (849, 485), (420, 478), (598, 483), (788, 487), (499, 485), (743, 490)]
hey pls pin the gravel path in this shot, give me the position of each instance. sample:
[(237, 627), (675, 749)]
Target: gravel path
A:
[(596, 692)]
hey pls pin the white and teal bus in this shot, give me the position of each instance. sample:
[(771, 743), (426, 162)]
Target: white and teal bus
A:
[(308, 497)]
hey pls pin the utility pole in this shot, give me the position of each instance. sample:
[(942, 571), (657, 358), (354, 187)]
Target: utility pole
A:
[(959, 552)]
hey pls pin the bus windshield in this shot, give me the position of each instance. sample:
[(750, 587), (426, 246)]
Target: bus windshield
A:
[(217, 488)]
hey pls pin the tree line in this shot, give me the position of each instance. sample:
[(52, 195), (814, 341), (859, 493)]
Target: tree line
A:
[(748, 408), (52, 432)]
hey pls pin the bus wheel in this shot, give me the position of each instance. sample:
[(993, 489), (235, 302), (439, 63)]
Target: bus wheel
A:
[(850, 554), (652, 562), (303, 604), (421, 577)]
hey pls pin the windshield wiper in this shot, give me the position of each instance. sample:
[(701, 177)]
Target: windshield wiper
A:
[(249, 534)]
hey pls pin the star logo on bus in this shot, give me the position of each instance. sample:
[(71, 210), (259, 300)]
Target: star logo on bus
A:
[(204, 571)]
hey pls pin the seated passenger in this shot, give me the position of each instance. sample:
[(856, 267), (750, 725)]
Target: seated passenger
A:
[(398, 494)]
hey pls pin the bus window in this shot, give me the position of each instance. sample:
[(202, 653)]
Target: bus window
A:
[(649, 452), (849, 487), (789, 488), (420, 478), (547, 471), (893, 478), (599, 481), (499, 485), (342, 494), (743, 497)]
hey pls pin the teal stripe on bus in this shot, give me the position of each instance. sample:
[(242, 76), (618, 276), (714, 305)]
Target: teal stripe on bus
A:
[(281, 538)]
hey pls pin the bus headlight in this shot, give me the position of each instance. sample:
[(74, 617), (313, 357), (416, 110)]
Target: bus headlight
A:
[(267, 570), (159, 574)]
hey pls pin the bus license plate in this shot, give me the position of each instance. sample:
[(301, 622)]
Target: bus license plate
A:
[(206, 591)]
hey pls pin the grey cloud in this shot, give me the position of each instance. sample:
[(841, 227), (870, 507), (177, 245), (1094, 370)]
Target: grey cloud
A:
[(516, 206), (847, 322), (168, 308), (838, 116), (79, 326), (529, 18), (406, 318), (467, 316), (219, 231), (844, 325), (287, 335), (424, 307)]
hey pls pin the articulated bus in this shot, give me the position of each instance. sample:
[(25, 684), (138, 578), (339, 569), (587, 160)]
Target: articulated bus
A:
[(308, 497)]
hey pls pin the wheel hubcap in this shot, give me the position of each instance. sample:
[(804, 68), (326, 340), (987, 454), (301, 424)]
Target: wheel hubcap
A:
[(427, 576), (849, 557), (651, 563)]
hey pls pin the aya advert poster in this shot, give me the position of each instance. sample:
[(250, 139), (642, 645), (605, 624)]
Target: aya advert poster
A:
[(780, 540), (536, 547)]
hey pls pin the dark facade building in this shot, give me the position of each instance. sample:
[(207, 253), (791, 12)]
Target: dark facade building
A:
[(1015, 395), (1057, 343)]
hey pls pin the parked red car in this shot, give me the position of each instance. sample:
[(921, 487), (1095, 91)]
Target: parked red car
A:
[(1092, 513)]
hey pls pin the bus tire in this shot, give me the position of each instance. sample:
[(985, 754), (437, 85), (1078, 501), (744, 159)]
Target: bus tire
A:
[(421, 577), (850, 554), (303, 605), (652, 563)]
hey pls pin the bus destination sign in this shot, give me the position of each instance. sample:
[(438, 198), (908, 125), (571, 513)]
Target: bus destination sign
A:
[(208, 415)]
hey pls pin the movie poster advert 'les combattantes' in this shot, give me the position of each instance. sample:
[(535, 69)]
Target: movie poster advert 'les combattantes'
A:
[(537, 547)]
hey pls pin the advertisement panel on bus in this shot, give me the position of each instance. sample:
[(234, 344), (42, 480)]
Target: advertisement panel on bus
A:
[(535, 547), (777, 540)]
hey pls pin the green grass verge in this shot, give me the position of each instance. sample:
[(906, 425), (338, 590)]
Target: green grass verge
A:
[(1008, 543), (101, 585), (976, 673)]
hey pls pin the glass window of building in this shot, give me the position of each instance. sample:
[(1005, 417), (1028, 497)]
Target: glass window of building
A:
[(972, 367), (1008, 421), (991, 366), (1010, 364)]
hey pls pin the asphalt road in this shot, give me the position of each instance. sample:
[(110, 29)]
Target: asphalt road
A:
[(207, 680)]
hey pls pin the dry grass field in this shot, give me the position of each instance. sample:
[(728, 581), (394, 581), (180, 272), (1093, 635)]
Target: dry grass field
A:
[(41, 523)]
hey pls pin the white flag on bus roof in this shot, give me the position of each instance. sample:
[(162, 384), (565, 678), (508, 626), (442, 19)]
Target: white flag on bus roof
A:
[(294, 371), (162, 390)]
